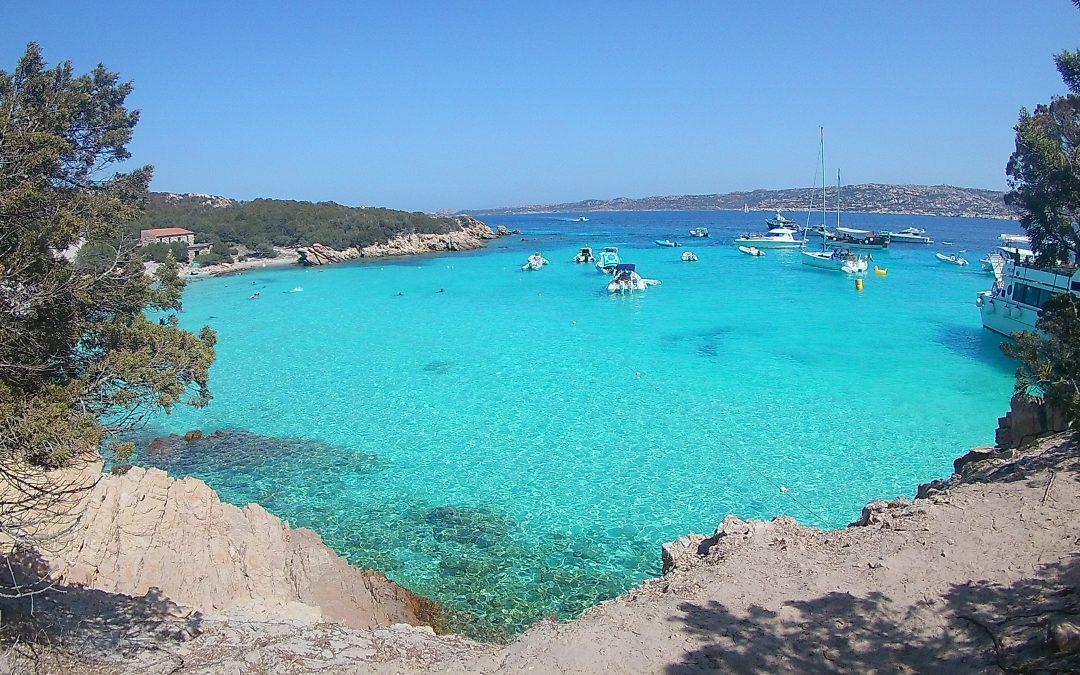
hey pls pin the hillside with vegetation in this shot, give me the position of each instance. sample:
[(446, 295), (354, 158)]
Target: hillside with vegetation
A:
[(925, 200), (260, 225)]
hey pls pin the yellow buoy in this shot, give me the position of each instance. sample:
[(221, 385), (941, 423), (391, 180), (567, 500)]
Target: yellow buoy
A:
[(858, 284), (880, 272)]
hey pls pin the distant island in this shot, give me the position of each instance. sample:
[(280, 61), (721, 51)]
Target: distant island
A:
[(920, 200)]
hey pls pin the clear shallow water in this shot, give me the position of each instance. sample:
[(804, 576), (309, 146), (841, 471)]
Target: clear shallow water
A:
[(493, 447)]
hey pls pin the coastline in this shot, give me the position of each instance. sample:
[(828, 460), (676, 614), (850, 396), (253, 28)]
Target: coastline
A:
[(948, 580), (473, 235)]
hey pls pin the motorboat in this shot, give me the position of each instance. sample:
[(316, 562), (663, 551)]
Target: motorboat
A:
[(627, 280), (780, 221), (819, 230), (667, 243), (535, 262), (908, 235), (581, 219), (1020, 293), (689, 256), (699, 232), (777, 237), (752, 250), (951, 258), (1014, 239), (849, 237), (584, 255), (608, 260), (838, 260)]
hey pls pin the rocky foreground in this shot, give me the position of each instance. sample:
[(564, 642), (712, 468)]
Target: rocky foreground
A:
[(978, 574)]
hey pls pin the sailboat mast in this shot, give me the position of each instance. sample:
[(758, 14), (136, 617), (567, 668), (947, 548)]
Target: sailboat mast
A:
[(838, 198), (821, 131)]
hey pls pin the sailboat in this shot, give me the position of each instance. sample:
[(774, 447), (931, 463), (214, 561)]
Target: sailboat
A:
[(745, 208), (838, 259)]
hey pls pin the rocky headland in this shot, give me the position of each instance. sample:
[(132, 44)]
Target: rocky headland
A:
[(472, 235), (978, 573)]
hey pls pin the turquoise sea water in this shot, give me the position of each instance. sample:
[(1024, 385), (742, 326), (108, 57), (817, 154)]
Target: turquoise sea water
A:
[(522, 443)]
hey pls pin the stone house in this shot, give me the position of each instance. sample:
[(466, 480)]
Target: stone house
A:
[(168, 235)]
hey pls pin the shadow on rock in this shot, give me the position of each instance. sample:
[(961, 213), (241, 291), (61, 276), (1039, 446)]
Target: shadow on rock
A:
[(63, 625), (1029, 626)]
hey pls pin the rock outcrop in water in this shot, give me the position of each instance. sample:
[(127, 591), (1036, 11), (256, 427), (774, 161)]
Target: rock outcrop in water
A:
[(472, 235), (144, 530)]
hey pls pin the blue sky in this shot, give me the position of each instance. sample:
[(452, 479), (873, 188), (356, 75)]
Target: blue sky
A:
[(432, 105)]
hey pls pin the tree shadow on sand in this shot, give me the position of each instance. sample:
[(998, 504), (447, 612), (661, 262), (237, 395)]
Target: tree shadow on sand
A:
[(59, 625), (976, 626)]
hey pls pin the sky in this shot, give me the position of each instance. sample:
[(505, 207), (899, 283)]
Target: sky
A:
[(424, 106)]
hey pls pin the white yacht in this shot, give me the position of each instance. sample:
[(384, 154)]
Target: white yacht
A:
[(777, 237), (1019, 294), (1014, 239), (909, 235)]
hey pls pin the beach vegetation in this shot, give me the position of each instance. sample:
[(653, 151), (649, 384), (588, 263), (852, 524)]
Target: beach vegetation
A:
[(1044, 181), (1050, 362), (1044, 170), (262, 224), (79, 357)]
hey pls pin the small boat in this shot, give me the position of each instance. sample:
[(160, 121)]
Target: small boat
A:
[(667, 242), (699, 232), (751, 250), (580, 219), (689, 256), (880, 271), (909, 235), (584, 255), (627, 280), (951, 258), (535, 262), (608, 260)]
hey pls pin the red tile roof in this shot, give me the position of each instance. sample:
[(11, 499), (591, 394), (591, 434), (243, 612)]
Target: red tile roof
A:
[(168, 232)]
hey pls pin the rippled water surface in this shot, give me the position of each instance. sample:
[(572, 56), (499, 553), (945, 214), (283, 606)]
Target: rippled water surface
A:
[(521, 443)]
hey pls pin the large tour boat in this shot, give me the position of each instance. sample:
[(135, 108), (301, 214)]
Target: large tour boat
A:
[(1019, 294)]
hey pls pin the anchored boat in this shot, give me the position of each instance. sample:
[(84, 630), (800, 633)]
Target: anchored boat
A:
[(752, 250), (584, 255), (689, 256), (608, 260), (628, 280), (699, 232), (667, 242), (535, 262), (908, 235), (951, 258)]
